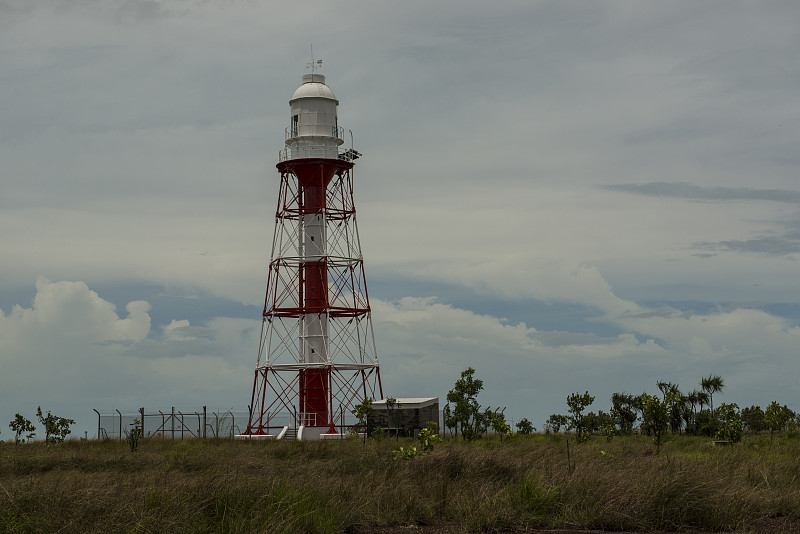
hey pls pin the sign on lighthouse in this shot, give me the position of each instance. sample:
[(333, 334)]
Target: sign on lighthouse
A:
[(316, 357)]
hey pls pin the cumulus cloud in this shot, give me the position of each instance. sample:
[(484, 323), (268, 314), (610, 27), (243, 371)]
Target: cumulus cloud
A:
[(424, 343), (71, 310), (72, 340), (71, 351), (181, 330), (455, 330), (736, 334)]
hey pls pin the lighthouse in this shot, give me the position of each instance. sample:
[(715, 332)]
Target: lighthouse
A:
[(316, 357)]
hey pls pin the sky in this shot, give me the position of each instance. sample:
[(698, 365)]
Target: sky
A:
[(566, 196)]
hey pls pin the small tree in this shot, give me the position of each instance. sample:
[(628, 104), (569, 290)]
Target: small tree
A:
[(556, 421), (577, 403), (655, 418), (753, 418), (498, 423), (428, 437), (20, 425), (449, 419), (609, 427), (361, 411), (791, 418), (406, 453), (55, 428), (705, 423), (624, 411), (730, 423), (466, 410), (524, 426), (775, 418), (133, 435)]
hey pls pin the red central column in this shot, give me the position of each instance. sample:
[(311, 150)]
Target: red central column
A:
[(314, 393)]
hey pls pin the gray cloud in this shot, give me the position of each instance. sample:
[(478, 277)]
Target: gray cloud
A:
[(690, 191), (784, 243), (783, 246)]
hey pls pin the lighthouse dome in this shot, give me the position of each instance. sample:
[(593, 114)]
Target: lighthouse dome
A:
[(313, 87)]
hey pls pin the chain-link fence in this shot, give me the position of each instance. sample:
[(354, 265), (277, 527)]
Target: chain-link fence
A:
[(186, 424), (171, 423)]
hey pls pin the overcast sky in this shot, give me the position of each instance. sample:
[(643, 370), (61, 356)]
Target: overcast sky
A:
[(567, 196)]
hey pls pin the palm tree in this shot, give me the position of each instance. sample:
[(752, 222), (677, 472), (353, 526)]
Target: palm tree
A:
[(667, 387), (687, 411), (712, 384), (694, 399), (679, 407), (674, 400), (701, 397)]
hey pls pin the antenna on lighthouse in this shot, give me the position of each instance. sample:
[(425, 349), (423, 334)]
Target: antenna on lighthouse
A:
[(314, 64)]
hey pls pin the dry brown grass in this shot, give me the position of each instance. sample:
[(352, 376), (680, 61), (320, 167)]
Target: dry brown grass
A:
[(336, 487)]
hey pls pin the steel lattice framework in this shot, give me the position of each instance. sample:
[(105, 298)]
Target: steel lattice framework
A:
[(314, 285)]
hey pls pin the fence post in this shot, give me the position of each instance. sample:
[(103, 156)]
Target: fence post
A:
[(98, 423), (172, 422), (120, 423), (141, 411), (204, 422)]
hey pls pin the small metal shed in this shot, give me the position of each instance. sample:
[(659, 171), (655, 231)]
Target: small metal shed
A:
[(407, 418)]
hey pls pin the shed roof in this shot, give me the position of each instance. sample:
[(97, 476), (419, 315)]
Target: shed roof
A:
[(409, 402)]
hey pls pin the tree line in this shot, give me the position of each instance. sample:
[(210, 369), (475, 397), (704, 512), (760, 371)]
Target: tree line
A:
[(671, 412)]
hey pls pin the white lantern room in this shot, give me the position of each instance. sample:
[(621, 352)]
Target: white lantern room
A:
[(314, 129)]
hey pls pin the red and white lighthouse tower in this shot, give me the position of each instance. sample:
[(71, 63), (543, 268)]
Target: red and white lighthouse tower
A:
[(316, 357)]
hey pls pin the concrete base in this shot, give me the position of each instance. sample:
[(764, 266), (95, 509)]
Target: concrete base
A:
[(304, 433), (311, 433)]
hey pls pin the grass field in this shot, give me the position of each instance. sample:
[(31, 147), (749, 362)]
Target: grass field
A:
[(335, 487)]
